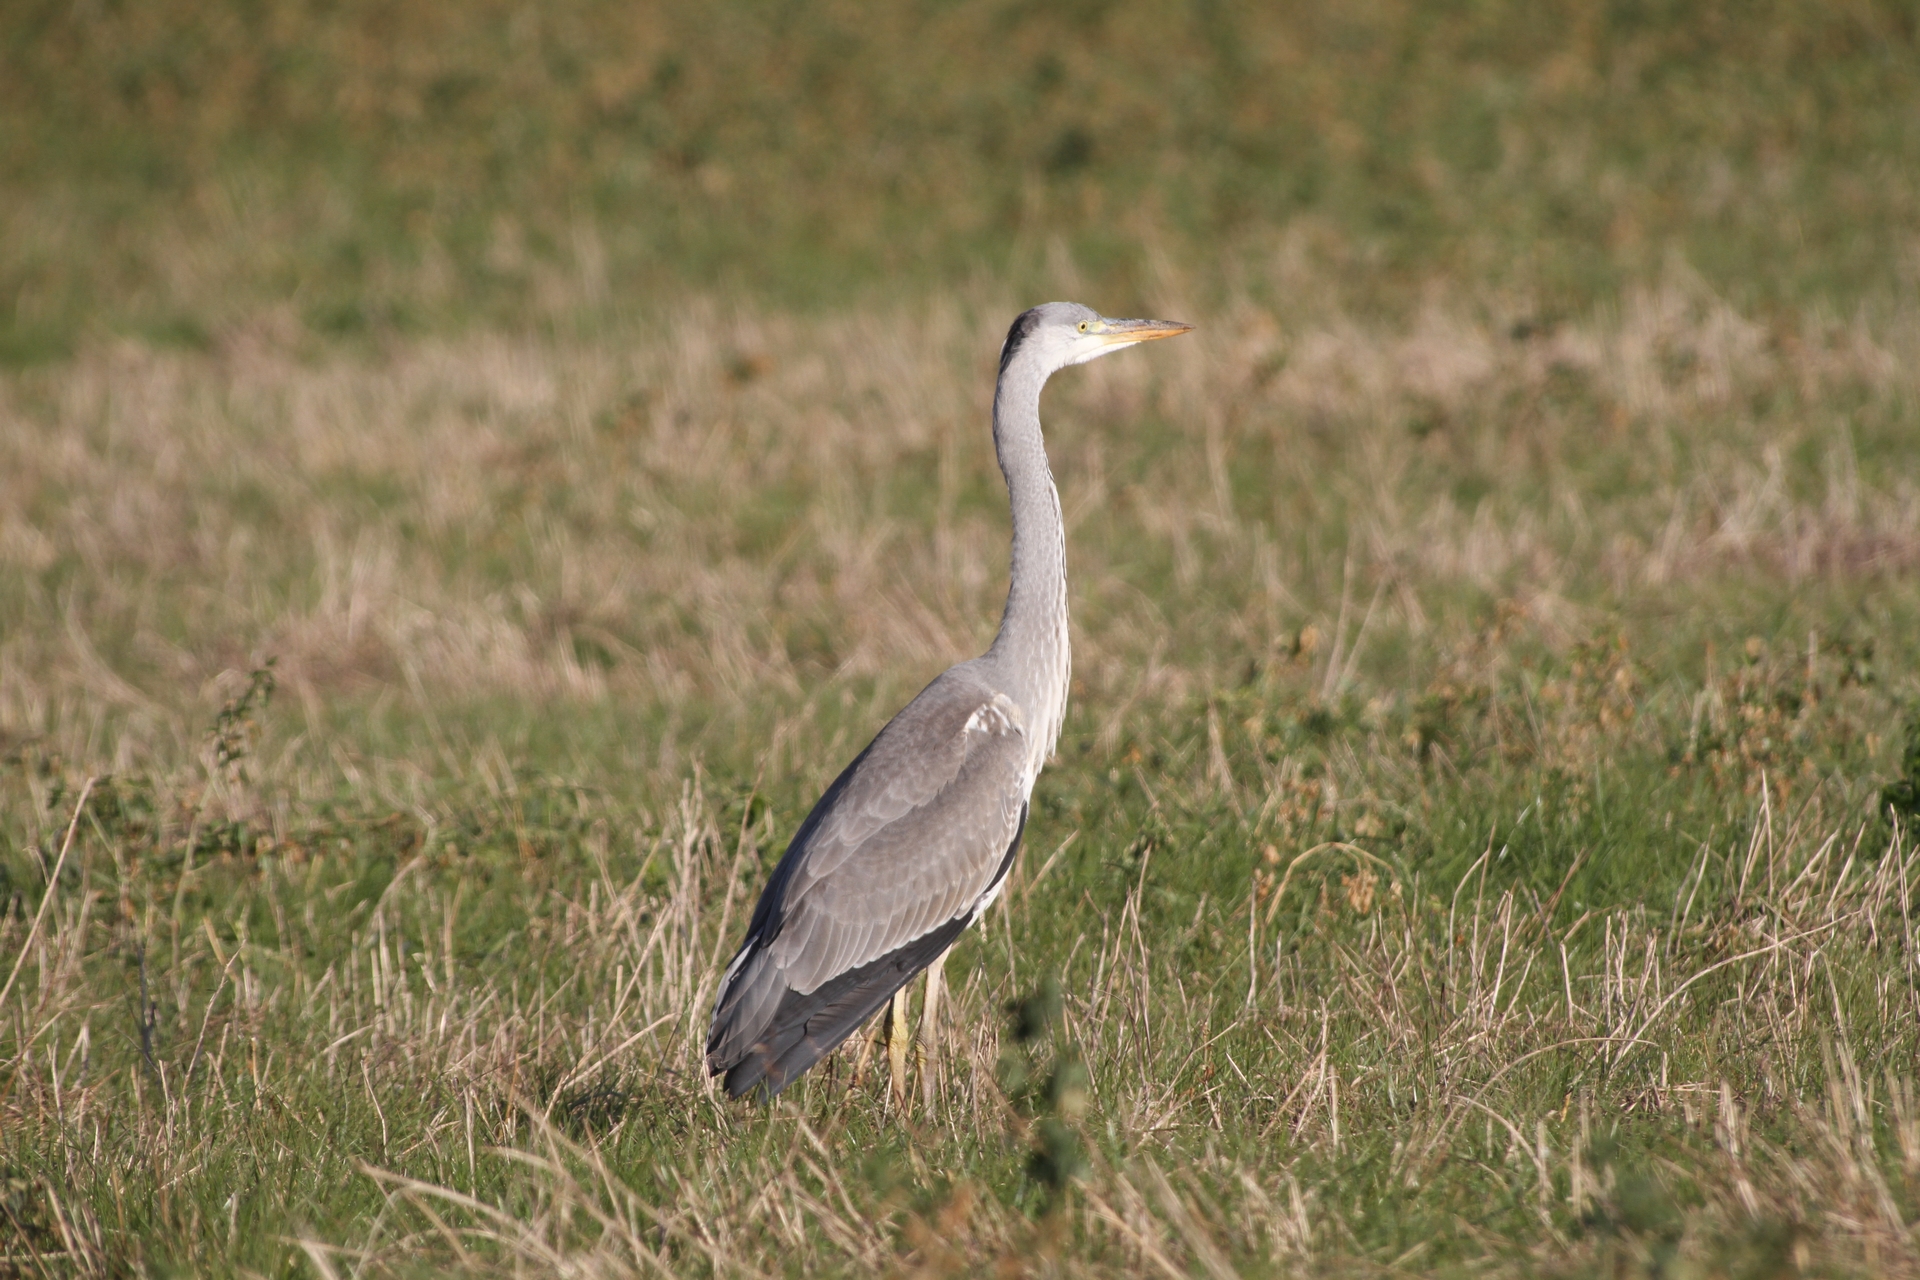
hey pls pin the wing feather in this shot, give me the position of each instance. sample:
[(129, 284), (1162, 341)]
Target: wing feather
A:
[(905, 845)]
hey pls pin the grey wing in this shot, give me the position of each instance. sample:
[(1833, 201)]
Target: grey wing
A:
[(893, 863)]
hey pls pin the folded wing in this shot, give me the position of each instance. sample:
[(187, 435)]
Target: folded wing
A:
[(894, 861)]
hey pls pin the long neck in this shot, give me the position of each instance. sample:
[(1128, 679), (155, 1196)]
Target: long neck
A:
[(1031, 651)]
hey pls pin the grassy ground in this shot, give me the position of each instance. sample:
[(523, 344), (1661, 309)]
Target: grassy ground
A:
[(1478, 842), (172, 168)]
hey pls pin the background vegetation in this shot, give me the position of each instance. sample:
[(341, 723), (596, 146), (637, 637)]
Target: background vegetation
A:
[(469, 475), (171, 169)]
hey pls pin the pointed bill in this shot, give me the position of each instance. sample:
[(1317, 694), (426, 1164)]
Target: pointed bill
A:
[(1124, 333)]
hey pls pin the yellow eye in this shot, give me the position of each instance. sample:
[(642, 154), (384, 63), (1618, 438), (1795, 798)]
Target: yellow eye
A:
[(1083, 326)]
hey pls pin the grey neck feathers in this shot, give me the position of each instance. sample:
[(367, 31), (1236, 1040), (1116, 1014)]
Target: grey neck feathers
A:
[(1030, 654)]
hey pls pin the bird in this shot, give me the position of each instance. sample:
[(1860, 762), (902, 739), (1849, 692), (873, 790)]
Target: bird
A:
[(913, 841)]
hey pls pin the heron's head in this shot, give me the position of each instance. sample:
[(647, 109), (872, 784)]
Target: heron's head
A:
[(1057, 334)]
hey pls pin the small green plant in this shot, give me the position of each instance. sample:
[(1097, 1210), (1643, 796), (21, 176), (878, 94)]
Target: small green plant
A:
[(1048, 1083), (1901, 797), (235, 728)]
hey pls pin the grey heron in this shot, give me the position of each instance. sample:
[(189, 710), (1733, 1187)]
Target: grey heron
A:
[(914, 839)]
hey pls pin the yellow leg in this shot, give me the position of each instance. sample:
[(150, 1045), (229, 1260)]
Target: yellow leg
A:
[(897, 1038), (930, 1028)]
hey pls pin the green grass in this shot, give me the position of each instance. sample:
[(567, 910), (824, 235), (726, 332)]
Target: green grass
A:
[(173, 169), (1480, 839)]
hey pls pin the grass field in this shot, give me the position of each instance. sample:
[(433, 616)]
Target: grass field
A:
[(459, 507)]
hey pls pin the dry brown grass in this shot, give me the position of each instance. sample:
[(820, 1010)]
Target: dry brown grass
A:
[(740, 503)]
